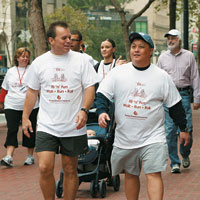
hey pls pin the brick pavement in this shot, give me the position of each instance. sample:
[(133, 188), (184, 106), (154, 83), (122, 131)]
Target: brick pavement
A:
[(21, 182)]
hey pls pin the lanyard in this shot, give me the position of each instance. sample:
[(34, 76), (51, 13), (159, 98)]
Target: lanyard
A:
[(104, 74), (20, 78)]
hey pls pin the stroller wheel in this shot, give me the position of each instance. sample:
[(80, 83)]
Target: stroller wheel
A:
[(93, 189), (116, 183), (59, 189), (102, 188)]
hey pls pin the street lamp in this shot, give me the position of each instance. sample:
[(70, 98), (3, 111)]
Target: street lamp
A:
[(185, 24)]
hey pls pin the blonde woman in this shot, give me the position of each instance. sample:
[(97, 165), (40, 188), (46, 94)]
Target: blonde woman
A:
[(12, 96)]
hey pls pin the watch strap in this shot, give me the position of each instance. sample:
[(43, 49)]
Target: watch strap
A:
[(85, 110)]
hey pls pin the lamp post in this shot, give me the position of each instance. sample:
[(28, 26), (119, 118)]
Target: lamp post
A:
[(172, 16), (25, 27), (185, 24)]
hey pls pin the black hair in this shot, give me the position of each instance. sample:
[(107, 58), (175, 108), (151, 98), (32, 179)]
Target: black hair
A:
[(52, 28), (76, 32), (112, 42)]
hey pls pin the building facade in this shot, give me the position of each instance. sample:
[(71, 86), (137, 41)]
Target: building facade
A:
[(14, 25)]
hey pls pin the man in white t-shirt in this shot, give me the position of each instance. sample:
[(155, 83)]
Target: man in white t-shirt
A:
[(66, 81), (139, 89)]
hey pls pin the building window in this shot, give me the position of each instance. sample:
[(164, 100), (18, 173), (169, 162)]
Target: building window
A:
[(141, 27)]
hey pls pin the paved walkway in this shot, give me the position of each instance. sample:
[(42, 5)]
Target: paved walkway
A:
[(21, 182)]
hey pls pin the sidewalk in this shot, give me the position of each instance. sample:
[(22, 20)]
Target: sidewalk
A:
[(2, 120), (22, 182)]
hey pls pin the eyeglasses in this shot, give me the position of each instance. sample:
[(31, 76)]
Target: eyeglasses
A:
[(73, 40)]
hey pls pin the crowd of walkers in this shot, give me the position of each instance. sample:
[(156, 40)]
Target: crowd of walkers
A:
[(52, 96)]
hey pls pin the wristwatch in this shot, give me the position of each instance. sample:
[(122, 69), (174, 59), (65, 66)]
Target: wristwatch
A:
[(85, 110)]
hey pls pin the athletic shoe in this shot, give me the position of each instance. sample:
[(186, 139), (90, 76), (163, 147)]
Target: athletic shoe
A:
[(29, 160), (186, 162), (7, 161), (176, 169)]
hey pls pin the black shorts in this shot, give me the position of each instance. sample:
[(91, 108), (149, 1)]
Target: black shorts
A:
[(69, 146)]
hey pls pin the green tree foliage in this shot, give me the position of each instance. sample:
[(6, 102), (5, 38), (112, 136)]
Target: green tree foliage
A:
[(119, 6), (88, 4), (100, 34), (75, 18), (92, 35)]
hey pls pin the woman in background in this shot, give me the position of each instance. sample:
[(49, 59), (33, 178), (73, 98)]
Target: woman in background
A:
[(12, 98), (108, 49)]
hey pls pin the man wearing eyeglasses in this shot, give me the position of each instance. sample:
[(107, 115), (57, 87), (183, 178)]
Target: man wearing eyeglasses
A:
[(76, 42)]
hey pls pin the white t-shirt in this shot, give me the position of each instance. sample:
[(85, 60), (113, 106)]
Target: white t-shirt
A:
[(104, 69), (62, 80), (90, 58), (138, 97), (15, 83)]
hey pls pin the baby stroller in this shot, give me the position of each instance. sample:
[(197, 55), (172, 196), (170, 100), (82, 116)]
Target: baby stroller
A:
[(94, 166)]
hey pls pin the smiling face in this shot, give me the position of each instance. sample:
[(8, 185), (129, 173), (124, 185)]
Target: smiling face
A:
[(62, 42), (140, 53), (107, 49), (24, 59), (173, 43)]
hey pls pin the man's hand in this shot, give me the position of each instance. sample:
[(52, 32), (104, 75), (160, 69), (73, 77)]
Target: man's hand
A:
[(196, 106), (103, 118), (26, 125), (184, 136), (81, 119)]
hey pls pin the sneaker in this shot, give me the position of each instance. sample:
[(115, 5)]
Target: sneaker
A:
[(186, 162), (176, 169), (7, 161), (29, 160)]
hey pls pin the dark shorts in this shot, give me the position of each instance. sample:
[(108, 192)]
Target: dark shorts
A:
[(69, 146)]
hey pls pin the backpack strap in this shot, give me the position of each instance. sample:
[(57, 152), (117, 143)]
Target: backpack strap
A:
[(96, 67)]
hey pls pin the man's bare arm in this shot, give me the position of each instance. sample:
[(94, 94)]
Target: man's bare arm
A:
[(88, 99), (30, 100)]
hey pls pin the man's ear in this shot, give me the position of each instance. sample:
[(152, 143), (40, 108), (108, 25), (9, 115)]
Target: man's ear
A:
[(50, 39)]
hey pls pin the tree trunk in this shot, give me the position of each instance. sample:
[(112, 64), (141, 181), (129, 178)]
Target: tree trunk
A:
[(127, 43), (172, 14), (37, 28)]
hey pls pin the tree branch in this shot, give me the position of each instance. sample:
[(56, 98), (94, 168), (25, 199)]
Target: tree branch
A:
[(140, 12)]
